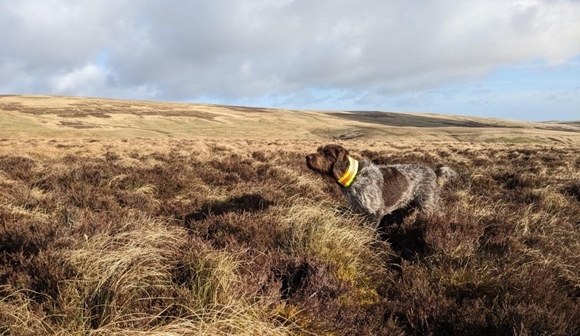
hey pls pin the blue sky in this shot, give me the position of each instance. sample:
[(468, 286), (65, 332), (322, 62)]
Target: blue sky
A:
[(516, 59), (530, 91)]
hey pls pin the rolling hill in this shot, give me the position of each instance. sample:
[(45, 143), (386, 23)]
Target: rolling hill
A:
[(70, 117)]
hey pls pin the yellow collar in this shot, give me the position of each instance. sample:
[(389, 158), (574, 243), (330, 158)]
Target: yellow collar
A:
[(350, 174)]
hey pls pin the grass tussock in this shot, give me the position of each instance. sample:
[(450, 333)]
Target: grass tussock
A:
[(176, 237)]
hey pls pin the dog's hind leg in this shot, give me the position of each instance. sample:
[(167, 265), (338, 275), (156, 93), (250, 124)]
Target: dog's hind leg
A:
[(428, 202)]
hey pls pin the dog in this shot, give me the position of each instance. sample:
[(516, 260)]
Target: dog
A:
[(375, 190)]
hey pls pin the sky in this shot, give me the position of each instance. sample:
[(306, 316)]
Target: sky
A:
[(514, 59)]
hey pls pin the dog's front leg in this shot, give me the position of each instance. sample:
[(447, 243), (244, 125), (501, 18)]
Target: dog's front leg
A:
[(376, 219)]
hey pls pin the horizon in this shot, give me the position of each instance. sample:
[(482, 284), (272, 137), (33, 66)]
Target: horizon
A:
[(287, 108)]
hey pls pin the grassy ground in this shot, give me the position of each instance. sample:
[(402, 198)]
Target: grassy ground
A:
[(219, 237), (67, 117)]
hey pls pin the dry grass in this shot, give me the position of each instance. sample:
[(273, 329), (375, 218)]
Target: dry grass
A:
[(217, 237), (26, 117)]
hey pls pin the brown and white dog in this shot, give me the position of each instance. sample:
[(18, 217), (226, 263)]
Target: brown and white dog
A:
[(379, 190)]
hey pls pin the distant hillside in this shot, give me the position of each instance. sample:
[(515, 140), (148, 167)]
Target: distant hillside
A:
[(69, 117), (569, 123)]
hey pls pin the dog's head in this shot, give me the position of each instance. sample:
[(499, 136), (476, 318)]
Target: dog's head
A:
[(330, 161)]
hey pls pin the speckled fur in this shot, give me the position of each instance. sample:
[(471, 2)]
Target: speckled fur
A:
[(365, 195), (379, 190)]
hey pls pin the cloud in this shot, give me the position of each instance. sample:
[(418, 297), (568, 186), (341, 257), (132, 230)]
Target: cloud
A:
[(235, 50), (89, 79)]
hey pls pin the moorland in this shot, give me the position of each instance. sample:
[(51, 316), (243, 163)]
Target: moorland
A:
[(128, 217)]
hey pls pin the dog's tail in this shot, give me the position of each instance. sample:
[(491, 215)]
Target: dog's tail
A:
[(445, 173)]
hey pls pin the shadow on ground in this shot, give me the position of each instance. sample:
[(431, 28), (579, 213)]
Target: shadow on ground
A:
[(244, 203), (406, 120), (407, 237)]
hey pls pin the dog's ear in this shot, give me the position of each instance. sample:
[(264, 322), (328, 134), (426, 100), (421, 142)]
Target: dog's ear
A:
[(341, 164)]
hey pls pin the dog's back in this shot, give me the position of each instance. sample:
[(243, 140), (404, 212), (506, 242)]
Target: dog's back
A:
[(422, 189), (379, 190)]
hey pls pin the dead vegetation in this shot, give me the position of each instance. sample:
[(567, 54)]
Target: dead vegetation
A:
[(216, 237), (24, 117)]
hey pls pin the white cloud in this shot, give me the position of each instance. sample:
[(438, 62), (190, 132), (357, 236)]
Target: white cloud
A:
[(87, 81)]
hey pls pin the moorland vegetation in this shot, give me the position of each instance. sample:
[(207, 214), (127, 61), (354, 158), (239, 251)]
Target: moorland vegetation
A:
[(238, 237)]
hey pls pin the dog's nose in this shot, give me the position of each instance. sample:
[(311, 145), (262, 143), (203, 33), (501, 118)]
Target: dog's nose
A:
[(309, 157)]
